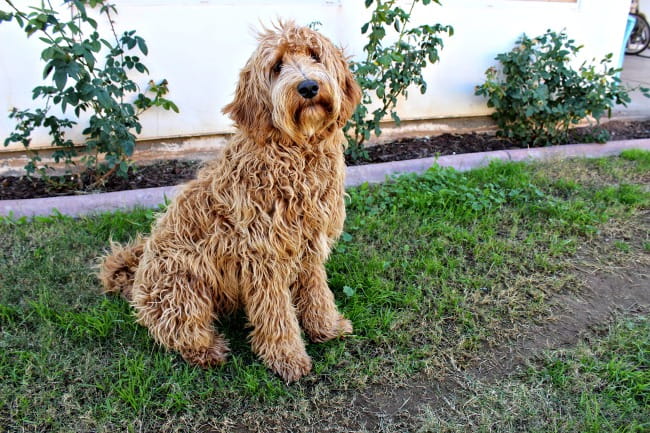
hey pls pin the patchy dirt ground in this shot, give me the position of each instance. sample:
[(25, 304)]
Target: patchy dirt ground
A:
[(173, 172), (391, 409), (610, 284)]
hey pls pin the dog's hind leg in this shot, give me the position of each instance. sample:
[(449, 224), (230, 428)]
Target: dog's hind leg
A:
[(178, 309), (314, 300), (275, 337)]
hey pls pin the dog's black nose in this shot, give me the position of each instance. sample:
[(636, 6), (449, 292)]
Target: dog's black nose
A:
[(308, 89)]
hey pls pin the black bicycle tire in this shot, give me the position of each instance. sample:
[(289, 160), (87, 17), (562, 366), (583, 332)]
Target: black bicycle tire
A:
[(644, 23)]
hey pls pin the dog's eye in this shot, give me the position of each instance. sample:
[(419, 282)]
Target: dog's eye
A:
[(315, 57), (277, 67)]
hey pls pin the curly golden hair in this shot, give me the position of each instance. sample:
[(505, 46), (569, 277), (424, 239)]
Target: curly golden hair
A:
[(256, 226)]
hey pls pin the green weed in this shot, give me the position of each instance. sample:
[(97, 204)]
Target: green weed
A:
[(642, 157)]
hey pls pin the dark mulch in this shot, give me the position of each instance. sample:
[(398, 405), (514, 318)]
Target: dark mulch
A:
[(173, 172), (159, 173), (452, 144)]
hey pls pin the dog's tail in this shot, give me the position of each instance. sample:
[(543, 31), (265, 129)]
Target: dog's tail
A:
[(117, 269)]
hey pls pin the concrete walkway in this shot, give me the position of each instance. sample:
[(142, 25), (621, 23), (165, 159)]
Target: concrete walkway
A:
[(636, 72)]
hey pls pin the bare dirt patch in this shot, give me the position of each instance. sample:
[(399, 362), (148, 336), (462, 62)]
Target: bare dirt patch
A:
[(574, 316)]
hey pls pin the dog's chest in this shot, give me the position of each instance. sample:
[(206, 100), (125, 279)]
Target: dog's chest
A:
[(310, 195), (307, 200)]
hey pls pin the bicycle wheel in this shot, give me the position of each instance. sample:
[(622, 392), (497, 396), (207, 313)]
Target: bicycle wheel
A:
[(640, 37)]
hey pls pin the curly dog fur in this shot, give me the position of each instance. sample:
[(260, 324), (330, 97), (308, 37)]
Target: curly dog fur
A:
[(256, 226)]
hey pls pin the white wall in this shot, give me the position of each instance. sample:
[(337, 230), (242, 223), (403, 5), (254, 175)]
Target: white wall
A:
[(644, 7), (199, 46)]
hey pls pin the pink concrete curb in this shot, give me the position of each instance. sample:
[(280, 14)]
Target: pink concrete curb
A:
[(373, 173), (77, 205)]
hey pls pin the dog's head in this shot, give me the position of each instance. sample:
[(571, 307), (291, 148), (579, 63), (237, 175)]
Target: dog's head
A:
[(297, 84)]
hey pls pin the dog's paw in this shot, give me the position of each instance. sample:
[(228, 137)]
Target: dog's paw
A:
[(208, 357), (292, 368), (341, 327), (344, 327)]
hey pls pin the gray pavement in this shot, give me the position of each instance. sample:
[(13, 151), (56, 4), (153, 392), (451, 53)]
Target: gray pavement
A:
[(636, 72)]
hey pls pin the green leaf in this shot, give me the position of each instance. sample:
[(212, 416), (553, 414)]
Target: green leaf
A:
[(173, 107), (129, 42), (529, 111), (49, 53), (90, 59), (20, 21), (349, 291), (384, 60), (73, 28), (60, 78), (5, 16), (142, 45)]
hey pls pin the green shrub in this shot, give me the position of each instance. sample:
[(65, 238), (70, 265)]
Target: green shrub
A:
[(80, 84), (537, 95), (388, 71)]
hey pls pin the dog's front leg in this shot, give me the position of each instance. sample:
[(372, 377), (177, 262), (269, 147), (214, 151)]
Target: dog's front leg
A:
[(319, 316), (276, 335)]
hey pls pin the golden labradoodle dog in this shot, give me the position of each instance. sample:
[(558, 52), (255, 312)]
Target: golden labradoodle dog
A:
[(255, 228)]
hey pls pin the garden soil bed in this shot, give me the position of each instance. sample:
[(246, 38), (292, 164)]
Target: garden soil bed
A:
[(173, 172)]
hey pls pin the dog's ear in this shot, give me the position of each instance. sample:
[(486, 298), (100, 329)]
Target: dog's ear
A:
[(248, 109), (351, 92)]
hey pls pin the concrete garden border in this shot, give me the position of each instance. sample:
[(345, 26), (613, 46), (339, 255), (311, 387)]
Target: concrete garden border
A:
[(78, 205)]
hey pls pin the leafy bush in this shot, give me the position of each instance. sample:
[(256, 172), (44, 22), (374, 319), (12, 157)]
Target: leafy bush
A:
[(537, 95), (388, 71), (80, 84)]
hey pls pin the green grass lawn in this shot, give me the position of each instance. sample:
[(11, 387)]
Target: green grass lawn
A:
[(432, 270)]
